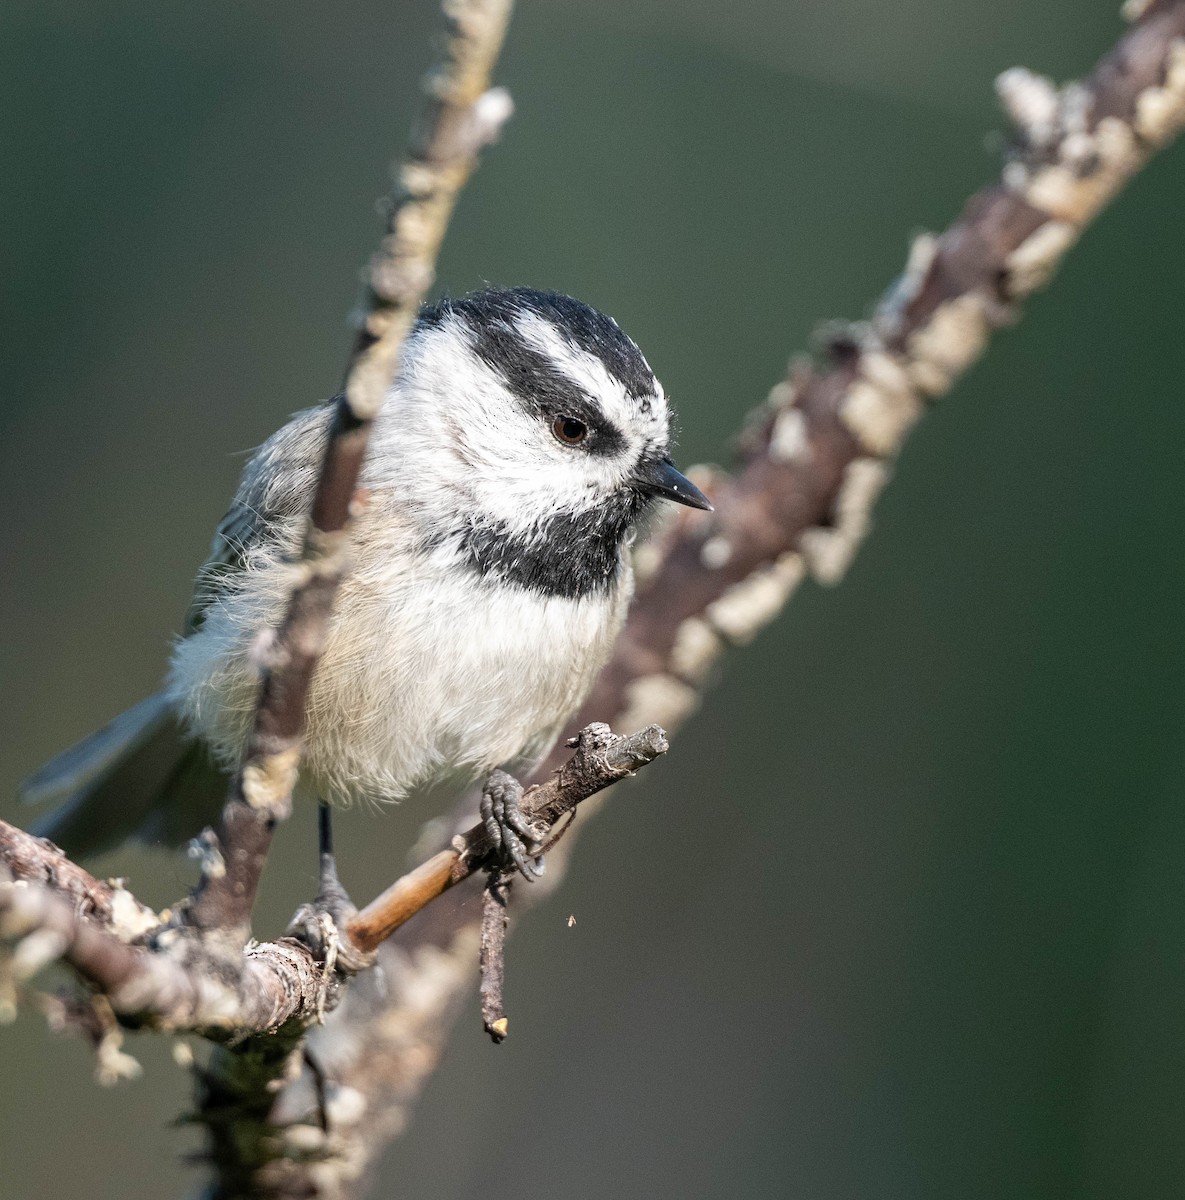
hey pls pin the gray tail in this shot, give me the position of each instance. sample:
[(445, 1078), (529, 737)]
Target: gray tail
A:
[(139, 777)]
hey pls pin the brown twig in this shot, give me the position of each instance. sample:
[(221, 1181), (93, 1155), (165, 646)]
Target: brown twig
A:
[(601, 759), (492, 954), (813, 460), (154, 975), (161, 980), (462, 117)]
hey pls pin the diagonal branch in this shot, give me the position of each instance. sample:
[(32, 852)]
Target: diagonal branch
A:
[(813, 460), (152, 976), (198, 970), (816, 456), (462, 116)]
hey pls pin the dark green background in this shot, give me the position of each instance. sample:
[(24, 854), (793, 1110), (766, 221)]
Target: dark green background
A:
[(902, 915)]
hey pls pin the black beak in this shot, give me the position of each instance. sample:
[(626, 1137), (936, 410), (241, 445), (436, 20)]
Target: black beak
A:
[(660, 477)]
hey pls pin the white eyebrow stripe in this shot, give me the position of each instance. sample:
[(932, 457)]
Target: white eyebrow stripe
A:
[(588, 372)]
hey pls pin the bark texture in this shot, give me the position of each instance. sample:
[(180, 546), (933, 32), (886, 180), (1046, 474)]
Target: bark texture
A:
[(299, 1108), (812, 461)]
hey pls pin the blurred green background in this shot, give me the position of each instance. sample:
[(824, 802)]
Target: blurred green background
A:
[(902, 915)]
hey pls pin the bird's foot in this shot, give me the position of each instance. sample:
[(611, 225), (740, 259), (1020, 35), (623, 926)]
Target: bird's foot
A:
[(515, 839)]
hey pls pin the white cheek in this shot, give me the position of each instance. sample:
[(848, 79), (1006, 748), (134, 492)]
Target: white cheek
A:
[(452, 437), (526, 473)]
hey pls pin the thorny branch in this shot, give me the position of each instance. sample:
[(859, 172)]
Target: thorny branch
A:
[(812, 463)]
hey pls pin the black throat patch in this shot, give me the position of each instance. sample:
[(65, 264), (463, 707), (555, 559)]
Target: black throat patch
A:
[(570, 554), (566, 554)]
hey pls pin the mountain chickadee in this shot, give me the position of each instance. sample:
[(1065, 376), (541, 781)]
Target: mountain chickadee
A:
[(522, 440)]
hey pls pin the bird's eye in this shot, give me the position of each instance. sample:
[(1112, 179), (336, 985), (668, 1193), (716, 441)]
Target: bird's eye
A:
[(569, 430)]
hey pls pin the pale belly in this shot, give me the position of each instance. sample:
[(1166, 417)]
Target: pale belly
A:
[(416, 685)]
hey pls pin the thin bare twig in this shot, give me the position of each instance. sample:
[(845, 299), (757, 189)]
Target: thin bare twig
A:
[(601, 759), (492, 953), (153, 975)]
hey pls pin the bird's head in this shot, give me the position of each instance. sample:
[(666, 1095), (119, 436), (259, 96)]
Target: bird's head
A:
[(536, 428)]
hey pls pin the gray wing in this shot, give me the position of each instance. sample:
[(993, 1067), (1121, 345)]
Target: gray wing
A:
[(273, 498)]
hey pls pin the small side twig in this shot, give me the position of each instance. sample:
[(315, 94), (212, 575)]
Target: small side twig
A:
[(158, 977), (494, 902), (601, 759)]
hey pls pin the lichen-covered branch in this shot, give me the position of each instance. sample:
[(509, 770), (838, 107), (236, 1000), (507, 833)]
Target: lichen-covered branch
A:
[(463, 115), (815, 457), (33, 860), (813, 460), (153, 974), (196, 969), (601, 759), (149, 973)]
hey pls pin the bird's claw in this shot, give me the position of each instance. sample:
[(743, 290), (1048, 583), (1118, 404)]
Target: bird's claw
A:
[(511, 834)]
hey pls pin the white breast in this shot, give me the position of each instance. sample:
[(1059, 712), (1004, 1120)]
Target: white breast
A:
[(430, 673)]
